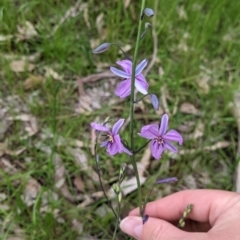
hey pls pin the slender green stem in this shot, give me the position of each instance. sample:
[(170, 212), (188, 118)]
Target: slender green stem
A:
[(140, 99), (142, 147), (100, 180), (125, 54), (147, 198), (116, 224), (134, 164)]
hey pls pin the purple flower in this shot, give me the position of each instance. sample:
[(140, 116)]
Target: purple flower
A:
[(161, 139), (112, 141), (124, 88)]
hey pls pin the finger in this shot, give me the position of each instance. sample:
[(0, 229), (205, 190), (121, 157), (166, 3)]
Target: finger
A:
[(208, 205), (156, 229), (194, 226)]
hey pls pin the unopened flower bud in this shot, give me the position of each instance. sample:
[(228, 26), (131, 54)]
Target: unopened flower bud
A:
[(119, 197), (145, 218), (116, 188), (154, 101), (107, 120), (148, 12), (121, 172), (167, 180), (147, 25), (102, 48)]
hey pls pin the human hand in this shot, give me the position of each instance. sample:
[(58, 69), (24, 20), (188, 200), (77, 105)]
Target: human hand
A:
[(215, 216)]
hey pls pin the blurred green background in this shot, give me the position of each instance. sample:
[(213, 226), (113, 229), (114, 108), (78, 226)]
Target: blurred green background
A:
[(49, 188)]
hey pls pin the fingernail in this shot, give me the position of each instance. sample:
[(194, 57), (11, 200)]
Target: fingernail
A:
[(132, 226)]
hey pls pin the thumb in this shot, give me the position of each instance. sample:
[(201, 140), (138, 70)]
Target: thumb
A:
[(154, 229)]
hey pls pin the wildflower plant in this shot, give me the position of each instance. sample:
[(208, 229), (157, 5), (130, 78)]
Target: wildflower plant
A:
[(157, 135)]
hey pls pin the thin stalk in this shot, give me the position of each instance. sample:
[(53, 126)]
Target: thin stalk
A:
[(140, 99), (134, 164), (125, 54), (100, 180), (141, 148), (146, 199), (116, 224)]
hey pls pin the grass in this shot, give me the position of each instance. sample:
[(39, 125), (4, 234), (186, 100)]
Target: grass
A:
[(198, 50)]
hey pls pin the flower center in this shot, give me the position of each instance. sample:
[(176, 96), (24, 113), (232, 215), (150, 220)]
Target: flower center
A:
[(159, 140), (110, 138)]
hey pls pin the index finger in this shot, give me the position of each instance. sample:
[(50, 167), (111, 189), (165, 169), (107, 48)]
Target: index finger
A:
[(208, 205)]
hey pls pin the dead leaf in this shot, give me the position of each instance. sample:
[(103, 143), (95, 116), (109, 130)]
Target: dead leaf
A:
[(125, 48), (60, 171), (203, 80), (190, 182), (163, 101), (50, 73), (186, 127), (214, 147), (87, 201), (145, 162), (130, 185), (82, 161), (78, 182), (198, 132), (3, 197), (86, 17), (33, 81), (189, 108), (31, 125), (100, 23), (218, 145), (77, 226), (3, 148), (7, 166), (31, 192), (21, 66), (73, 11), (29, 58), (26, 31), (126, 3), (5, 37)]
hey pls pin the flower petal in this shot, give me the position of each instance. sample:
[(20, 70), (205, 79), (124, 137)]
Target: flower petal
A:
[(149, 131), (141, 87), (164, 125), (123, 88), (170, 147), (116, 127), (127, 151), (112, 148), (99, 127), (126, 65), (104, 144), (156, 149), (117, 140), (121, 147), (120, 73), (143, 80), (141, 66), (173, 135), (154, 101)]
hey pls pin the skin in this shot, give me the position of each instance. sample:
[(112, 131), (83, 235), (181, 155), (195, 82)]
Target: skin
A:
[(215, 216)]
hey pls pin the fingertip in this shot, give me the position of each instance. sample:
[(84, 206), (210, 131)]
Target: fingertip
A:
[(132, 226), (152, 229), (160, 229)]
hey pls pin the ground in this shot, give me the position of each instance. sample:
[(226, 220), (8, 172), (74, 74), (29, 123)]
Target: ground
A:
[(53, 87)]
